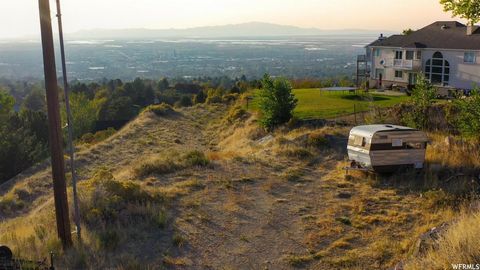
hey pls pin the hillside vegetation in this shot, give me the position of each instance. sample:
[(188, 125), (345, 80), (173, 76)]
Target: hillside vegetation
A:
[(205, 187)]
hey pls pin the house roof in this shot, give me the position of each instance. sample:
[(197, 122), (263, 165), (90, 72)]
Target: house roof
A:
[(369, 130), (438, 35)]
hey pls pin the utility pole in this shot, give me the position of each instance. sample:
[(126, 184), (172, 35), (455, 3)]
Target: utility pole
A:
[(55, 132), (69, 123)]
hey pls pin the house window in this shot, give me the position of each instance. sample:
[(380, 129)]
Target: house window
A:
[(437, 69), (419, 55), (469, 57), (398, 74), (398, 55), (409, 55), (377, 52)]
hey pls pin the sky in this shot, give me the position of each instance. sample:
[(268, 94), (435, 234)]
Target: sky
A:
[(19, 18)]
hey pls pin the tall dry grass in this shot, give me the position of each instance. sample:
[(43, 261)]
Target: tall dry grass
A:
[(452, 152), (459, 245)]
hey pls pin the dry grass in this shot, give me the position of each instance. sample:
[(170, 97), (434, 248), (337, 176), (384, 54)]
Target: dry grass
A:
[(240, 199), (458, 245), (453, 153)]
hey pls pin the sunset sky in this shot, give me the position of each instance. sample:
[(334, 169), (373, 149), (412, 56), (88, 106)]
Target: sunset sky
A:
[(19, 18)]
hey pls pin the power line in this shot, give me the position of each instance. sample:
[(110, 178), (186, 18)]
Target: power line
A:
[(54, 130), (69, 123)]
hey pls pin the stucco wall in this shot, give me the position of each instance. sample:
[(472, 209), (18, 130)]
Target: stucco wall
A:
[(462, 75)]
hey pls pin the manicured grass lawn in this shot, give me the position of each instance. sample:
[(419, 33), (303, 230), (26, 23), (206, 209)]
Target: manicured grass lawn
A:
[(313, 104)]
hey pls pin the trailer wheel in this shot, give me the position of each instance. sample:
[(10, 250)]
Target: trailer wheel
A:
[(6, 253)]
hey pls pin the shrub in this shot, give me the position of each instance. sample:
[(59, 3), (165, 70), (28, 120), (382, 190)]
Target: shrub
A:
[(276, 102), (468, 117), (423, 96), (235, 113), (316, 140), (214, 96), (108, 239), (196, 158), (160, 110), (229, 98), (99, 136), (185, 101), (300, 153), (293, 175), (157, 166), (199, 98), (214, 99)]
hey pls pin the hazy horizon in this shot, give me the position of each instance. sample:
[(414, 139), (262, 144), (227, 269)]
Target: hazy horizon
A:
[(151, 14)]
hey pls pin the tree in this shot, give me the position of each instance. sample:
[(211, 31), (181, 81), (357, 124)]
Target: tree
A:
[(423, 96), (163, 85), (276, 102), (407, 32), (6, 102), (84, 114), (35, 101), (199, 98), (466, 9), (468, 119)]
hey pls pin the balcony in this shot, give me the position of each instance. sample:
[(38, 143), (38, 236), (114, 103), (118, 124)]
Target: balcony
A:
[(413, 65)]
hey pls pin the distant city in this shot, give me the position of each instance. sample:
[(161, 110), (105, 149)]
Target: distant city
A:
[(302, 56)]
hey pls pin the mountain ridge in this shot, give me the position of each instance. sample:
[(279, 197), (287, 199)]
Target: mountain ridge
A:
[(249, 29)]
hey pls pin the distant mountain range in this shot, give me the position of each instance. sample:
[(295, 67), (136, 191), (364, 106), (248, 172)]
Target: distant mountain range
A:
[(252, 29)]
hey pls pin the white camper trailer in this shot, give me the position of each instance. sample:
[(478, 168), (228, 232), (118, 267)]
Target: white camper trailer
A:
[(386, 148)]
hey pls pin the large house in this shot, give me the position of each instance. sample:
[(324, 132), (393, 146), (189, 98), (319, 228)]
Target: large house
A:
[(447, 53)]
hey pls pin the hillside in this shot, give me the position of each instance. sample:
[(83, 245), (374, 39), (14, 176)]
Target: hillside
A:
[(204, 187)]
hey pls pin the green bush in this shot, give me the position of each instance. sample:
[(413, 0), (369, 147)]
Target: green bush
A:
[(196, 158), (467, 119), (423, 96), (317, 140), (185, 101), (160, 109), (235, 113), (99, 136), (276, 102), (158, 166)]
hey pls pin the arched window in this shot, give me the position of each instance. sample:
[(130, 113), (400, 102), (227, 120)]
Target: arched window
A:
[(437, 69)]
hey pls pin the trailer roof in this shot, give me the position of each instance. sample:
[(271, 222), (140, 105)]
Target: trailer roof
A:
[(370, 130)]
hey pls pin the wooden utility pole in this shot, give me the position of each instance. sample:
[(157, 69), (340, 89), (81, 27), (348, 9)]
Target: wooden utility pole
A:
[(54, 129)]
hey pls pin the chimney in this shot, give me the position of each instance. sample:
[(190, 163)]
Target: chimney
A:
[(471, 29), (381, 37)]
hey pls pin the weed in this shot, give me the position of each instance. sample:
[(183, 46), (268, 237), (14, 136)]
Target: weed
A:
[(345, 220)]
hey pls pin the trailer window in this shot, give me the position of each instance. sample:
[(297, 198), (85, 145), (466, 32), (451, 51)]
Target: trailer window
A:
[(397, 142), (357, 141), (414, 145)]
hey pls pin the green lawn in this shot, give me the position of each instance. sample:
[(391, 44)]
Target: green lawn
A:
[(313, 104)]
